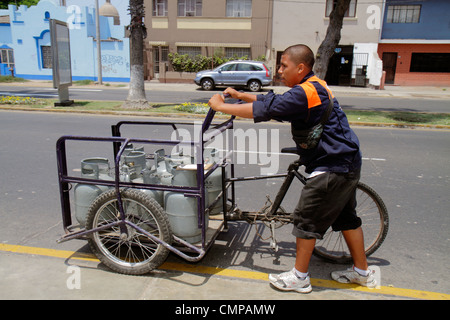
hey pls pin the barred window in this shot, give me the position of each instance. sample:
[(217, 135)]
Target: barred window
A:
[(237, 52), (160, 8), (46, 57), (351, 11), (191, 51), (189, 8), (239, 8), (403, 14)]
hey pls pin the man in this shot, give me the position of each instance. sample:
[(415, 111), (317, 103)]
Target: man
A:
[(328, 198)]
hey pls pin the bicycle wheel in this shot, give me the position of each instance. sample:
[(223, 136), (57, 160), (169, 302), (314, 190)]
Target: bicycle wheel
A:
[(375, 223), (133, 252)]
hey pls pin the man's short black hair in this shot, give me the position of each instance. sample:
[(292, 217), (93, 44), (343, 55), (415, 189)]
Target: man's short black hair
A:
[(300, 53)]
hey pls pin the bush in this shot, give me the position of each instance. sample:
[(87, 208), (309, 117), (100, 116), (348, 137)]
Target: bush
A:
[(185, 63), (11, 79)]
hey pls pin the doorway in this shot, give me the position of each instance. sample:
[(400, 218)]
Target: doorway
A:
[(389, 65), (339, 70)]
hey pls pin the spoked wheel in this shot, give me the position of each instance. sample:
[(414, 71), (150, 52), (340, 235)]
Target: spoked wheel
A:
[(130, 252), (375, 223)]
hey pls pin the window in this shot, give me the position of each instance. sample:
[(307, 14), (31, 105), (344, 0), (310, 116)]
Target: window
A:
[(239, 8), (191, 51), (430, 62), (160, 8), (403, 14), (237, 52), (46, 57), (189, 8), (229, 67), (7, 57), (248, 67), (351, 11)]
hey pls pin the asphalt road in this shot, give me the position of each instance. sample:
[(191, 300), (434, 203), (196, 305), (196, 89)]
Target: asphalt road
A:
[(348, 102), (407, 167)]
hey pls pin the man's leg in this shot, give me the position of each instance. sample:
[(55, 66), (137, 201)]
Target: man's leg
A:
[(296, 279), (355, 242), (305, 249), (360, 272)]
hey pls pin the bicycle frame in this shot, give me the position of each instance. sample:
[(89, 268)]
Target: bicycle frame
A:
[(292, 172)]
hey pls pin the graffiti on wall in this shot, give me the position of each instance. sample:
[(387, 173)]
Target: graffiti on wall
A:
[(114, 64)]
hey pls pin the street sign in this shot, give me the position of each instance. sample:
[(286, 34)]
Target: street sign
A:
[(62, 69)]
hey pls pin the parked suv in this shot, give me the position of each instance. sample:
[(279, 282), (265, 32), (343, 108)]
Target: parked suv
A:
[(252, 74)]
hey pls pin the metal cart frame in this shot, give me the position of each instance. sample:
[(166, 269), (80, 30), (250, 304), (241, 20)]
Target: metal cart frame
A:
[(119, 143)]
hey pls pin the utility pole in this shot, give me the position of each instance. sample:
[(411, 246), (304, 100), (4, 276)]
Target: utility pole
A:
[(99, 44)]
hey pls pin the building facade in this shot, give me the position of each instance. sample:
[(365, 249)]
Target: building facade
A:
[(206, 27), (307, 23), (415, 42), (25, 42), (408, 39)]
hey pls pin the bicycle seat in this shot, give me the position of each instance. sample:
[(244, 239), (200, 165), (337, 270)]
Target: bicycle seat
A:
[(292, 150)]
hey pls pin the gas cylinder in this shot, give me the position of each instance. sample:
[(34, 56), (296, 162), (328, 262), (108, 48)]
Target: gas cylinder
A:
[(178, 158), (85, 194), (182, 211), (151, 177), (213, 184)]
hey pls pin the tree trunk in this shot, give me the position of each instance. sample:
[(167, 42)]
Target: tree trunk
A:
[(136, 94), (332, 38)]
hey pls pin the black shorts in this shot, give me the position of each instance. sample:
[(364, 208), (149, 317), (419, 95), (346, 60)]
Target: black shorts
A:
[(328, 199)]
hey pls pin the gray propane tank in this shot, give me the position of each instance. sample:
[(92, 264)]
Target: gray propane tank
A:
[(182, 211), (213, 183), (85, 194), (150, 176)]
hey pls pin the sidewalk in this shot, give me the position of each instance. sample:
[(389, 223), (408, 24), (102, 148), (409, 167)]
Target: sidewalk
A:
[(52, 278), (435, 92)]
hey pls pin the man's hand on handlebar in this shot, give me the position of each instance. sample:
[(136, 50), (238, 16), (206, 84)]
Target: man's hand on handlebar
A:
[(217, 103)]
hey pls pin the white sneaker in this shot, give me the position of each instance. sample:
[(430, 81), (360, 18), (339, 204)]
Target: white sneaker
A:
[(351, 276), (288, 281)]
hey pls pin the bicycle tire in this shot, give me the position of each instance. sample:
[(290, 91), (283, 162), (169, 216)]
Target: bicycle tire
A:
[(137, 254), (375, 223)]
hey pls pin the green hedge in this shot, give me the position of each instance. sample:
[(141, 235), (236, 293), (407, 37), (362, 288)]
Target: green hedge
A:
[(185, 63)]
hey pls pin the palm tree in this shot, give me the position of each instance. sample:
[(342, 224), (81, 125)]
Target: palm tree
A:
[(136, 94), (332, 38)]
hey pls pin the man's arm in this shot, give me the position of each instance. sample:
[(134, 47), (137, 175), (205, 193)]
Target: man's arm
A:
[(217, 102), (247, 97)]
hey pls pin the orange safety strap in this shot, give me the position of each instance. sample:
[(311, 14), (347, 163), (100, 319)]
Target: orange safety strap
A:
[(311, 93)]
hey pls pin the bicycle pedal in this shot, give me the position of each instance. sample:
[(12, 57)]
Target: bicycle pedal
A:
[(273, 245)]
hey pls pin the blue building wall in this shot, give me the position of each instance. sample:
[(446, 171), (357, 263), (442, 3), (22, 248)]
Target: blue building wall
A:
[(434, 21), (29, 30)]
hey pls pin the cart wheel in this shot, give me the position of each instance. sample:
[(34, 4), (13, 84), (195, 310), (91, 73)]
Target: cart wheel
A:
[(132, 252)]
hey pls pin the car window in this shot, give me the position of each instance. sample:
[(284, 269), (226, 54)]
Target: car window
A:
[(245, 67), (228, 67), (248, 67)]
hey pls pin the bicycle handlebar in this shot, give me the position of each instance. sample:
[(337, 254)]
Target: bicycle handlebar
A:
[(210, 116)]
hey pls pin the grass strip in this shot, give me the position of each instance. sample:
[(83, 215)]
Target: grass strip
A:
[(354, 116)]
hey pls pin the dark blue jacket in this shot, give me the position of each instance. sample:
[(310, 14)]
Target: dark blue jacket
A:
[(302, 106)]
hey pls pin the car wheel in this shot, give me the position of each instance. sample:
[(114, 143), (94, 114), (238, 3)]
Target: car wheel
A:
[(254, 85), (207, 84)]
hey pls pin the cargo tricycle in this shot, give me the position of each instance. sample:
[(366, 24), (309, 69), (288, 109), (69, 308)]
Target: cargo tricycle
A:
[(152, 203)]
